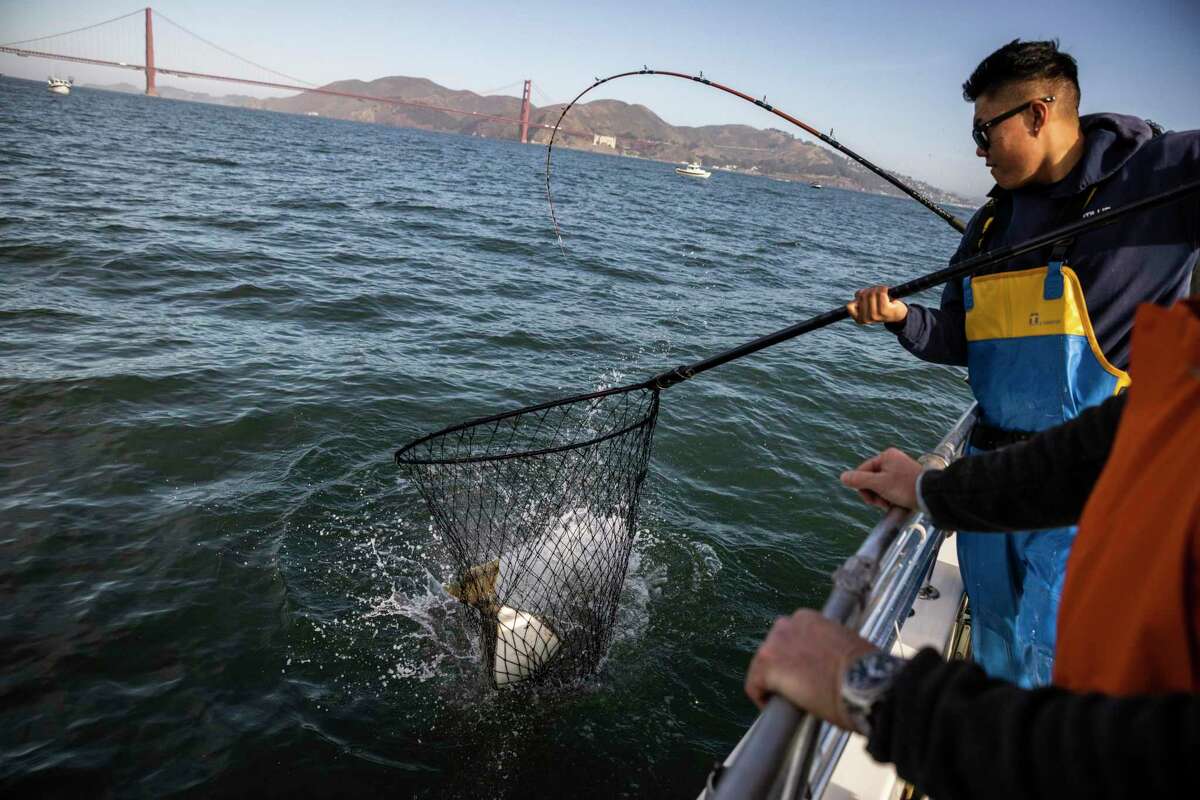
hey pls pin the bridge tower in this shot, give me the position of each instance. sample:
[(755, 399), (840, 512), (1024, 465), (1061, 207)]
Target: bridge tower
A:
[(151, 87), (525, 113)]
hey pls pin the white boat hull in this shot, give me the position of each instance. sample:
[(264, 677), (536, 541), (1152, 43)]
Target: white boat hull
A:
[(60, 89)]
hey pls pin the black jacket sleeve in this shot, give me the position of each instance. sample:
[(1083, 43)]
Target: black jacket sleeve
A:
[(956, 733), (938, 335), (1040, 483)]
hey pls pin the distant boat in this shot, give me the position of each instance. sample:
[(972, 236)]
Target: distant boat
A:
[(693, 170), (59, 86), (816, 186)]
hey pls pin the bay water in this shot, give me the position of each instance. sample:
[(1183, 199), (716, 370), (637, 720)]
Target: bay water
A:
[(217, 325)]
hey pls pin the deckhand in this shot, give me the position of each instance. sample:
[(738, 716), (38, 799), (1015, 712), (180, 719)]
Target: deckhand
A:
[(1045, 335), (1123, 719)]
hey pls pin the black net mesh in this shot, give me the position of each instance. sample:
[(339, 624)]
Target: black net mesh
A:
[(538, 507)]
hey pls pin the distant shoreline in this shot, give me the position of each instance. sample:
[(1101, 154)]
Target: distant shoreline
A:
[(768, 153)]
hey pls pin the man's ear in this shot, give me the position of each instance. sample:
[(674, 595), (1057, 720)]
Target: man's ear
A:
[(1041, 115)]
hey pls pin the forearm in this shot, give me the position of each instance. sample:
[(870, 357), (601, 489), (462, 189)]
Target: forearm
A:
[(1041, 483), (955, 733)]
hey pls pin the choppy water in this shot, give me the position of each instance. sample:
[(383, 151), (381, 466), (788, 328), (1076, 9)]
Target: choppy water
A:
[(215, 327)]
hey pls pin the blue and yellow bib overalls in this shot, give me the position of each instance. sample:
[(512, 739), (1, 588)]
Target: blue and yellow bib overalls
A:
[(1033, 363)]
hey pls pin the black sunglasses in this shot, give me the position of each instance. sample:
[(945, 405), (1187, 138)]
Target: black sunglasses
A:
[(979, 132)]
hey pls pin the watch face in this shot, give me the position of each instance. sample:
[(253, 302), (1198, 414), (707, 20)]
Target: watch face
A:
[(867, 679), (872, 670)]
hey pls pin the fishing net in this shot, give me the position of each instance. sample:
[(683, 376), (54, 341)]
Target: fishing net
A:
[(538, 508)]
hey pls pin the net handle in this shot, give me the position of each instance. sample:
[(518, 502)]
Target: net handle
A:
[(961, 269)]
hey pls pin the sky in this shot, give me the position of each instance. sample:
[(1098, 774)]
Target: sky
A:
[(886, 76)]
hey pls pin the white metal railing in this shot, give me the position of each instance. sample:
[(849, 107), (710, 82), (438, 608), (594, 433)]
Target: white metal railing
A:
[(873, 592)]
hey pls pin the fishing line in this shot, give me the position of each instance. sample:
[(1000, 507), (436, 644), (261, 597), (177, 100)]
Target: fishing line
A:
[(828, 139)]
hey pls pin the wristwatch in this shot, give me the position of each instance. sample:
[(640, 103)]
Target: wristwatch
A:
[(864, 683)]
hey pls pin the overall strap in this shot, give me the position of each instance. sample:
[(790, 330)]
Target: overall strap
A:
[(1053, 287), (989, 217), (985, 228)]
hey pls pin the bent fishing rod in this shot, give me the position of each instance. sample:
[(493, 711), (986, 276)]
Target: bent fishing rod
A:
[(915, 194)]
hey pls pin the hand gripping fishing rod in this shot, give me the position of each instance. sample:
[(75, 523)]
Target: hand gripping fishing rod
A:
[(959, 270), (915, 194)]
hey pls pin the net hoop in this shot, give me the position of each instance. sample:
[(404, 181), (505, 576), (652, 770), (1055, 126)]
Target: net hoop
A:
[(406, 456), (538, 507)]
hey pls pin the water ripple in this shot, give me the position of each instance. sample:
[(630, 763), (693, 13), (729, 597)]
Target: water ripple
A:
[(217, 325)]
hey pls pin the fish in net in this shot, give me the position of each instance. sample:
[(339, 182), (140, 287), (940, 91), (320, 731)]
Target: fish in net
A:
[(538, 509)]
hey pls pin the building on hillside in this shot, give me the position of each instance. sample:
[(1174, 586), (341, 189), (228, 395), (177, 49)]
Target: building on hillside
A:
[(604, 141)]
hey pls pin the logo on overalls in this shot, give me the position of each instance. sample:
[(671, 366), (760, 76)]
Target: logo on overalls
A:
[(1033, 318)]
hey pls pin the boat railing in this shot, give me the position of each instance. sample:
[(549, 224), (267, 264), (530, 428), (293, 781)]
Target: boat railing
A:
[(873, 593)]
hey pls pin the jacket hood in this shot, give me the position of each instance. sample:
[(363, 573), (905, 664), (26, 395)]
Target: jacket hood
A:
[(1112, 139)]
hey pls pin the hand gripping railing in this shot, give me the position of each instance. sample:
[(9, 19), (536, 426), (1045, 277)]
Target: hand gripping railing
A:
[(873, 592)]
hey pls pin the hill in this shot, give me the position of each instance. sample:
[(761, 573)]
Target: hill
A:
[(611, 127)]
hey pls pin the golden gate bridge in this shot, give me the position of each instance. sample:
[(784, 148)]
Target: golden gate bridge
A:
[(152, 69), (114, 43)]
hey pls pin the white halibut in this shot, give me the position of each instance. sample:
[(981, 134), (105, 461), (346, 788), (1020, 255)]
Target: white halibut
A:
[(523, 644), (572, 558), (542, 583)]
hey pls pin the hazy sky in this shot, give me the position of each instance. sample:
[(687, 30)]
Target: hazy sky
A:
[(886, 76)]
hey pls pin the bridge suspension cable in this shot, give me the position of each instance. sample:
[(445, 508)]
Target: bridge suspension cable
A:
[(215, 46), (76, 30), (500, 89)]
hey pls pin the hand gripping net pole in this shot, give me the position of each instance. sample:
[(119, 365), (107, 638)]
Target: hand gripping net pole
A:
[(538, 507)]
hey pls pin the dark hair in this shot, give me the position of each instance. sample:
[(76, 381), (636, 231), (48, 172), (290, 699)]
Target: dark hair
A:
[(1022, 61)]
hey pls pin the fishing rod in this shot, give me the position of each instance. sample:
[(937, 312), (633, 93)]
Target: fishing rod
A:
[(915, 194), (959, 270)]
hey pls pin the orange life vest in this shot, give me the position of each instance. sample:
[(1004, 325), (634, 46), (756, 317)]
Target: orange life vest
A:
[(1129, 622)]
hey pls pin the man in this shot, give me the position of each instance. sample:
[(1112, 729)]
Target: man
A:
[(1129, 625), (1046, 335)]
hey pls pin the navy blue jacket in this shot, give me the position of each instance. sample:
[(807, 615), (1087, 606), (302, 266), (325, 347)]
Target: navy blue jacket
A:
[(1148, 257)]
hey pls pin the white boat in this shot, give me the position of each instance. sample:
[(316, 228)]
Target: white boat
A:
[(59, 86), (693, 170), (816, 186)]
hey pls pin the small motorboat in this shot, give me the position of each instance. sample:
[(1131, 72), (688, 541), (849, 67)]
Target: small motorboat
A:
[(59, 86), (693, 170), (816, 186)]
